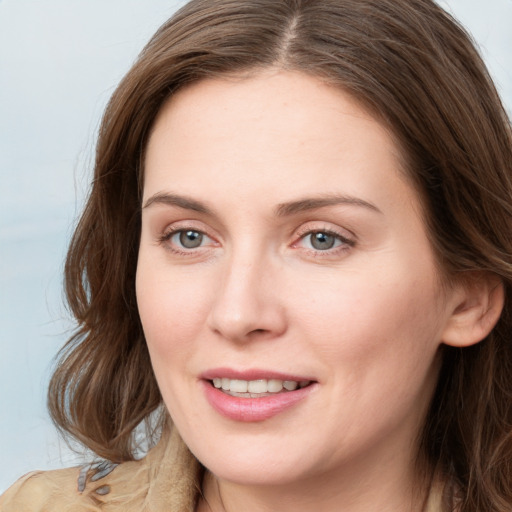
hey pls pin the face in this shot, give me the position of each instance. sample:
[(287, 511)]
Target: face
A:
[(284, 258)]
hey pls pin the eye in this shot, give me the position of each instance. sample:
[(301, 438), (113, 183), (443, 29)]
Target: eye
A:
[(324, 240), (185, 240), (188, 239)]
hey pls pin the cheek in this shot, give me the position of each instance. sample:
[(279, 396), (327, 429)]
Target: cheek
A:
[(380, 319), (172, 309), (377, 342)]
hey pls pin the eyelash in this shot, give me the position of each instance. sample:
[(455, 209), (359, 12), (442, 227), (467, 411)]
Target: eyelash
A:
[(166, 237), (345, 243)]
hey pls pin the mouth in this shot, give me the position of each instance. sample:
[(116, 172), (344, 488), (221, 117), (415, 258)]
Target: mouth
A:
[(254, 395), (258, 388)]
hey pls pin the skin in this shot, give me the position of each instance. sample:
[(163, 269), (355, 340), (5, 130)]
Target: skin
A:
[(364, 319)]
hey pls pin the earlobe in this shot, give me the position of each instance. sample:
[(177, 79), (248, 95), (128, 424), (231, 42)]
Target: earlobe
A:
[(479, 302)]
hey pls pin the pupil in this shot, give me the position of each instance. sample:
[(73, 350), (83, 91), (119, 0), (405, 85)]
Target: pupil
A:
[(191, 239), (322, 241)]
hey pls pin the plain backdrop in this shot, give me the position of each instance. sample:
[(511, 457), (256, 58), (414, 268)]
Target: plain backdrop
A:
[(60, 61)]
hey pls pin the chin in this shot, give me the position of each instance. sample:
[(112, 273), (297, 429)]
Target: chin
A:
[(263, 463)]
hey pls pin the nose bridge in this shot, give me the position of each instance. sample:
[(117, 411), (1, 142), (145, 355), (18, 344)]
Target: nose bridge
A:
[(244, 302)]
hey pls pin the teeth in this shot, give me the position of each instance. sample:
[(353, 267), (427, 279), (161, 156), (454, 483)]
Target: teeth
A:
[(239, 386), (274, 385), (290, 385), (259, 386), (256, 386)]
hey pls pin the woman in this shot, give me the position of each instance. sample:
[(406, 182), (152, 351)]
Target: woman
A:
[(297, 250)]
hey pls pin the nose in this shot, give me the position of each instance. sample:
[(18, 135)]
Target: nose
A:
[(248, 303)]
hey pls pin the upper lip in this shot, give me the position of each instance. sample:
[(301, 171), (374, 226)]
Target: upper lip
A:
[(252, 374)]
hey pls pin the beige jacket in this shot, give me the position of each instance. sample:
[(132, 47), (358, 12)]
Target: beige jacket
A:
[(166, 480)]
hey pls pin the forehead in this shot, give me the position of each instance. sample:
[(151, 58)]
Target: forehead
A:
[(293, 96), (278, 133)]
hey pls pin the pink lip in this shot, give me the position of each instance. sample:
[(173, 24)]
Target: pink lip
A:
[(252, 409), (252, 374)]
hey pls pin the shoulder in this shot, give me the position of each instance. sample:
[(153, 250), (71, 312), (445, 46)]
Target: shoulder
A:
[(167, 479), (86, 489), (35, 491)]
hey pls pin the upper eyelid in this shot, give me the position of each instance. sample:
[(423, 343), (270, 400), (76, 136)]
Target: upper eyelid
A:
[(171, 231), (188, 224), (342, 232)]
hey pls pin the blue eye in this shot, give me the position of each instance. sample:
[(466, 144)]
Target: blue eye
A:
[(323, 241), (188, 239)]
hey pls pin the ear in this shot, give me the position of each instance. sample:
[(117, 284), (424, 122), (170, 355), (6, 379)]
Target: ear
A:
[(477, 306)]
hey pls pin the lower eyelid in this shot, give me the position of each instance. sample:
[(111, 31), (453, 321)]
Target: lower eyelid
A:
[(340, 247)]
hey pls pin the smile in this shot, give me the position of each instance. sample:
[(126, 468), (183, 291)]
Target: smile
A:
[(254, 398), (256, 388)]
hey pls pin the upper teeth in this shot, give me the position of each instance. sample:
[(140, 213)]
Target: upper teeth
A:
[(257, 386)]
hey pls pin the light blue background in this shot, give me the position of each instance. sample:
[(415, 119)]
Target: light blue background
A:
[(59, 62)]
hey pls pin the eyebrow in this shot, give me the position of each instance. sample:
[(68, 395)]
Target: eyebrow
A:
[(184, 202), (314, 203), (282, 210)]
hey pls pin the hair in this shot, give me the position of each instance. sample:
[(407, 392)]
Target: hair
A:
[(415, 68)]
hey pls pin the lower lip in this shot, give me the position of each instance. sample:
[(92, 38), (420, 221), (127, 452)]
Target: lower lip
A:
[(253, 409)]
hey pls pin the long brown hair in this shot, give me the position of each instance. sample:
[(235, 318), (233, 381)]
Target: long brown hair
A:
[(415, 68)]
